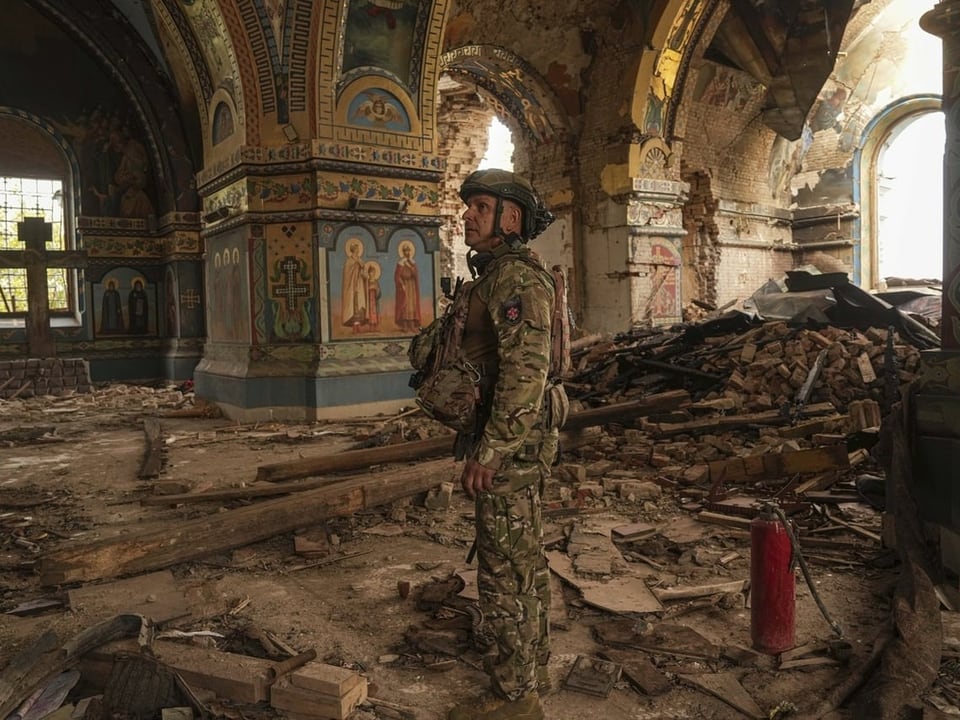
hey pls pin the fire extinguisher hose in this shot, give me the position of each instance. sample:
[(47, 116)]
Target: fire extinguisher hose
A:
[(798, 557)]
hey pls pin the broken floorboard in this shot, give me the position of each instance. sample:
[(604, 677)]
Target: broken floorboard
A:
[(153, 457), (164, 544), (726, 687), (155, 596)]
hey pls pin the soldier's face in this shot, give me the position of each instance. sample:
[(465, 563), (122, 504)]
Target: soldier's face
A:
[(478, 222)]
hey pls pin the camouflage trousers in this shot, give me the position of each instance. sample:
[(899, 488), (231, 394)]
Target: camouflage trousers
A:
[(514, 584)]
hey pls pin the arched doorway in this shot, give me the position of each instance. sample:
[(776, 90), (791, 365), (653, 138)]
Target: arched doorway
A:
[(899, 169), (909, 191), (499, 147)]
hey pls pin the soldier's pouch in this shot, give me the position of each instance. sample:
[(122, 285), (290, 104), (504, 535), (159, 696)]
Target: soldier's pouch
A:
[(556, 406), (424, 344), (451, 395)]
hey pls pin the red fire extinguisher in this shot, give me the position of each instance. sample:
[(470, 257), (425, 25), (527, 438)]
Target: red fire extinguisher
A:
[(772, 584)]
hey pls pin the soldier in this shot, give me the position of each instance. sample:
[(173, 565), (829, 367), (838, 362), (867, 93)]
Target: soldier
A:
[(508, 335)]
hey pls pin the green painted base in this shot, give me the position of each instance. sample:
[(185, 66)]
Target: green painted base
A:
[(304, 398)]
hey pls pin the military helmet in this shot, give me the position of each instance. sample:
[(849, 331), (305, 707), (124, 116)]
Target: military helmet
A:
[(507, 185)]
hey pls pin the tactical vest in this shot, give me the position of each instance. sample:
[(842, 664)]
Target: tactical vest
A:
[(451, 389)]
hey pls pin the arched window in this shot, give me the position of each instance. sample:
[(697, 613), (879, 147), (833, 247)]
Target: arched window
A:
[(910, 200), (37, 179), (894, 181), (20, 198)]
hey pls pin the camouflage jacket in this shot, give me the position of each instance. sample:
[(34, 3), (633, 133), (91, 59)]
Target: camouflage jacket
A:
[(518, 296)]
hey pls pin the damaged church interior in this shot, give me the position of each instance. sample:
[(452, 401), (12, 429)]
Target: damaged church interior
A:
[(223, 221)]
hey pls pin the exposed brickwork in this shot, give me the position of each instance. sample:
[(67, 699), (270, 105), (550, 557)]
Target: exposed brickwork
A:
[(701, 251), (738, 215), (47, 376), (463, 126)]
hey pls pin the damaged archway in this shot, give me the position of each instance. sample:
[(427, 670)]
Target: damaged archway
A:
[(480, 82), (878, 135)]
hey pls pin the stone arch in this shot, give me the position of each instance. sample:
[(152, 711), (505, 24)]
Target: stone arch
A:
[(133, 71), (865, 159), (478, 83), (59, 149), (517, 88), (662, 66)]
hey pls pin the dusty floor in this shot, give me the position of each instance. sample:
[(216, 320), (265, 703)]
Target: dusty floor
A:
[(78, 477)]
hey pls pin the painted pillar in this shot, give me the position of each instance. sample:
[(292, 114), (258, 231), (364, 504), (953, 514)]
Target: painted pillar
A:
[(944, 22), (655, 220)]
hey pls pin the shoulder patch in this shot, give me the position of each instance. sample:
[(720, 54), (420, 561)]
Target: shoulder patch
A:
[(512, 310)]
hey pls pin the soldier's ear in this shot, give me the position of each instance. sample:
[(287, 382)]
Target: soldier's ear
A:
[(510, 219)]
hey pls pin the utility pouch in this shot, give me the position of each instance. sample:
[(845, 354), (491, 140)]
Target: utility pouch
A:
[(451, 394), (423, 344), (448, 385), (556, 406)]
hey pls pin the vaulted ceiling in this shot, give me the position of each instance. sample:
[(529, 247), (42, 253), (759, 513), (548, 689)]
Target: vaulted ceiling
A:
[(790, 46)]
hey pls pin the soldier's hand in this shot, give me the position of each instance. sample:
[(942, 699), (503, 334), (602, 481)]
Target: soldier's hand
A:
[(476, 478)]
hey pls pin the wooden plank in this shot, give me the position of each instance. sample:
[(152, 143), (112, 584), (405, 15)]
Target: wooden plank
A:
[(401, 452), (620, 412), (620, 594), (299, 701), (261, 490), (155, 596), (819, 482), (658, 638), (726, 687), (633, 531), (153, 456), (639, 671), (355, 459), (771, 466), (767, 417), (684, 593), (811, 427), (816, 661), (727, 520), (325, 679), (163, 544)]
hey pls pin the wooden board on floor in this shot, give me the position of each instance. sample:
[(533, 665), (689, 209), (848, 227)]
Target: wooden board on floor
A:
[(639, 671), (155, 596), (621, 594), (726, 687)]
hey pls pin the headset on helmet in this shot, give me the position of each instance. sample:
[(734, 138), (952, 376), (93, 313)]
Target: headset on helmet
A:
[(510, 186)]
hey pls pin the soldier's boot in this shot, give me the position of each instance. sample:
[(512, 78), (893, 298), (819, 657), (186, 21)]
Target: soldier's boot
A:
[(494, 708), (544, 683)]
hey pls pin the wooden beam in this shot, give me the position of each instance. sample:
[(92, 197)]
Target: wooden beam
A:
[(162, 544), (355, 459), (254, 491), (725, 422), (661, 402), (771, 466), (402, 452), (152, 457)]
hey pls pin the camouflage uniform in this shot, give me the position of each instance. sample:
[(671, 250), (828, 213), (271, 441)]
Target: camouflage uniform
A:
[(508, 334)]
